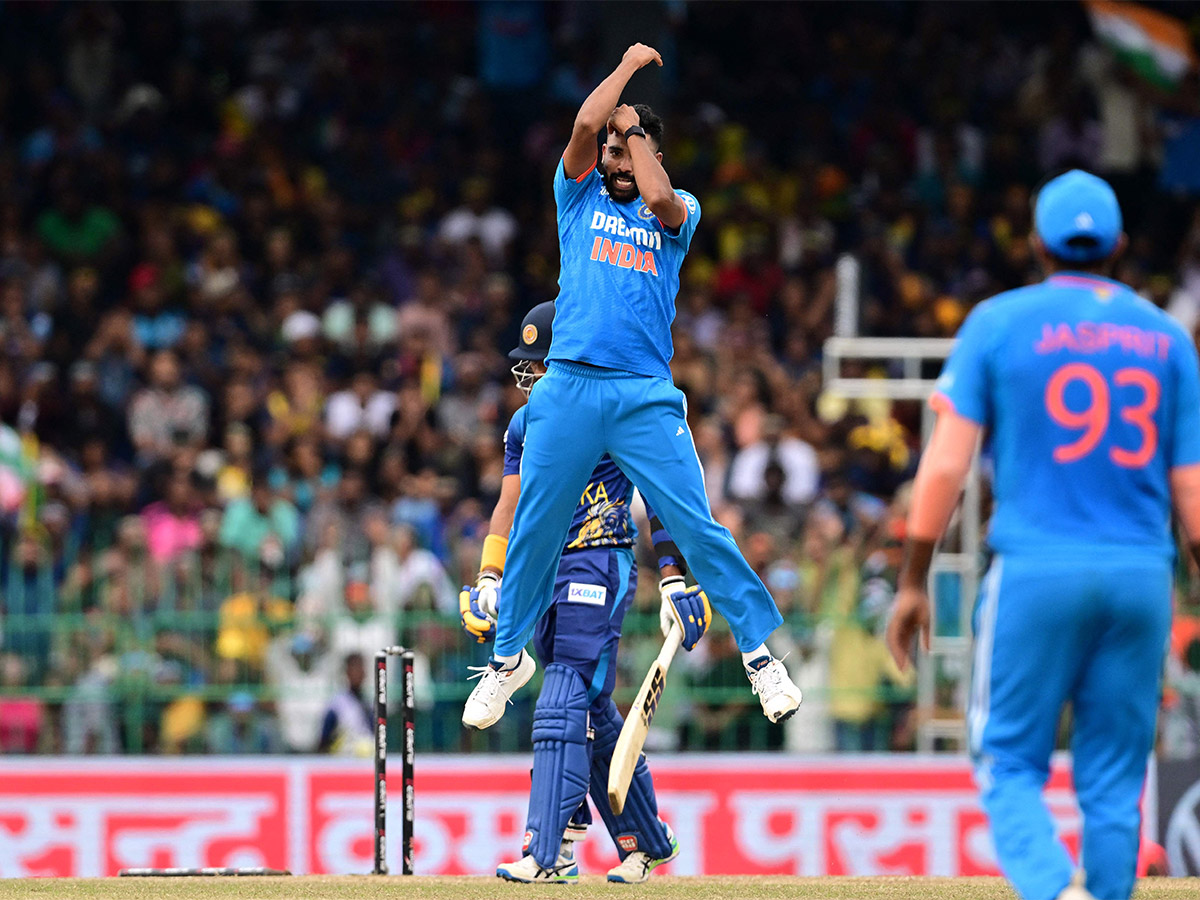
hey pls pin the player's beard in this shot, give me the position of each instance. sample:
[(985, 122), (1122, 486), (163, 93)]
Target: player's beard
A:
[(620, 195)]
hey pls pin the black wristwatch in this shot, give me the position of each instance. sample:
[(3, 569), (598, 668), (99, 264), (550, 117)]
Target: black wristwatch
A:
[(634, 129)]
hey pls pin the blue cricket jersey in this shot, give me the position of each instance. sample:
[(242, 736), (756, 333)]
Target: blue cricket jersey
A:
[(618, 277), (1090, 395), (602, 518)]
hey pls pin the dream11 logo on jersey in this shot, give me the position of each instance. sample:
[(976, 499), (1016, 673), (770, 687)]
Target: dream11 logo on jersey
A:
[(625, 254)]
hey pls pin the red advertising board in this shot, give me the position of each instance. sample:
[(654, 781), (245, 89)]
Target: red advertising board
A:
[(733, 814)]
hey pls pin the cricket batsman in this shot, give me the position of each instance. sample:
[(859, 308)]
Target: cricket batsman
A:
[(623, 234), (575, 722), (1089, 399)]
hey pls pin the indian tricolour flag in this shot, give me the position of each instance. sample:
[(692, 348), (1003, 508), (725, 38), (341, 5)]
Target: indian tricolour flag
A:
[(1155, 45)]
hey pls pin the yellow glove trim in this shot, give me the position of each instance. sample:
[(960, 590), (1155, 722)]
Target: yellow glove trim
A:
[(495, 547), (471, 622)]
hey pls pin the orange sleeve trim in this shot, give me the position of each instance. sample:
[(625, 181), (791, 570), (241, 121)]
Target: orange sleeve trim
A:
[(590, 170), (940, 403)]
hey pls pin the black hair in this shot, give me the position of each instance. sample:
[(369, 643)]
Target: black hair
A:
[(651, 122)]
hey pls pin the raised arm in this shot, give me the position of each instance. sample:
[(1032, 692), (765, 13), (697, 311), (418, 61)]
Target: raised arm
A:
[(594, 114), (652, 181)]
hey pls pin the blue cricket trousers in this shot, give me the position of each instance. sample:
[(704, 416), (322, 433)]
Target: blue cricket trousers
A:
[(581, 633), (577, 413), (1092, 632)]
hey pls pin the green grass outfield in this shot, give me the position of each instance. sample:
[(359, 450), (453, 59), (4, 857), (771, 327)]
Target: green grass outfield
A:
[(660, 887)]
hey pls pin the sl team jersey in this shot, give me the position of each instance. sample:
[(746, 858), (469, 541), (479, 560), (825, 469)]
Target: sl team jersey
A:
[(618, 277), (1091, 395), (603, 517)]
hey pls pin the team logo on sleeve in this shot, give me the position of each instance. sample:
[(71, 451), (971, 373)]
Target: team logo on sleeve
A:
[(644, 212), (689, 202), (529, 334)]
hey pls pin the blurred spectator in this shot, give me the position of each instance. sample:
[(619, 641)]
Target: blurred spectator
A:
[(346, 726), (261, 526), (1072, 139), (478, 219), (359, 627), (362, 405), (89, 723), (79, 233), (859, 661), (21, 718), (91, 417), (423, 323), (157, 327), (242, 728), (347, 509), (420, 509), (362, 321), (795, 459), (303, 676), (246, 621), (407, 576), (168, 414), (173, 523), (303, 475)]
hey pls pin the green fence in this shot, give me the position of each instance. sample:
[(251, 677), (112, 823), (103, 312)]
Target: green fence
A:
[(205, 655)]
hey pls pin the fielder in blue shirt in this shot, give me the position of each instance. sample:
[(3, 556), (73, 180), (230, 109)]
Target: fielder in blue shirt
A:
[(575, 722), (1089, 397), (623, 233)]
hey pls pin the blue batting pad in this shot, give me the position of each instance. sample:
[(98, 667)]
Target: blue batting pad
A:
[(638, 827), (560, 760)]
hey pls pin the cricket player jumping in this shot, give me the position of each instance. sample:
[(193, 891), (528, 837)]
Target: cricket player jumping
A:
[(576, 723), (1089, 398), (623, 234)]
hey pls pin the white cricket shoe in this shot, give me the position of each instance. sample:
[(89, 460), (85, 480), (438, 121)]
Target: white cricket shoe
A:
[(776, 692), (637, 866), (1076, 890), (527, 871), (486, 704)]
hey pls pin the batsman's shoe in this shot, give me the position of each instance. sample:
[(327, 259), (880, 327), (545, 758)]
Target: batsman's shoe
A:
[(637, 866), (527, 871), (776, 692), (486, 704)]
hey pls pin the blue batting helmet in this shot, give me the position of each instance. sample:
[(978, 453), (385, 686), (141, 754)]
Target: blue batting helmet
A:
[(535, 333)]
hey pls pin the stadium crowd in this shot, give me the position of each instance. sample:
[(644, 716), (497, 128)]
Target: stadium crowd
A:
[(260, 265)]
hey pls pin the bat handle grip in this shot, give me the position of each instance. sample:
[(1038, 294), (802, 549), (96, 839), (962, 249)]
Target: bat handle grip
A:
[(672, 643)]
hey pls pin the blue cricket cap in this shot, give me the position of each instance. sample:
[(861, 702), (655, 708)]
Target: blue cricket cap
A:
[(1077, 217)]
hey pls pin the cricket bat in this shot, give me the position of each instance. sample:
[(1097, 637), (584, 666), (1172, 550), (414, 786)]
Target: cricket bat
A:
[(633, 735)]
